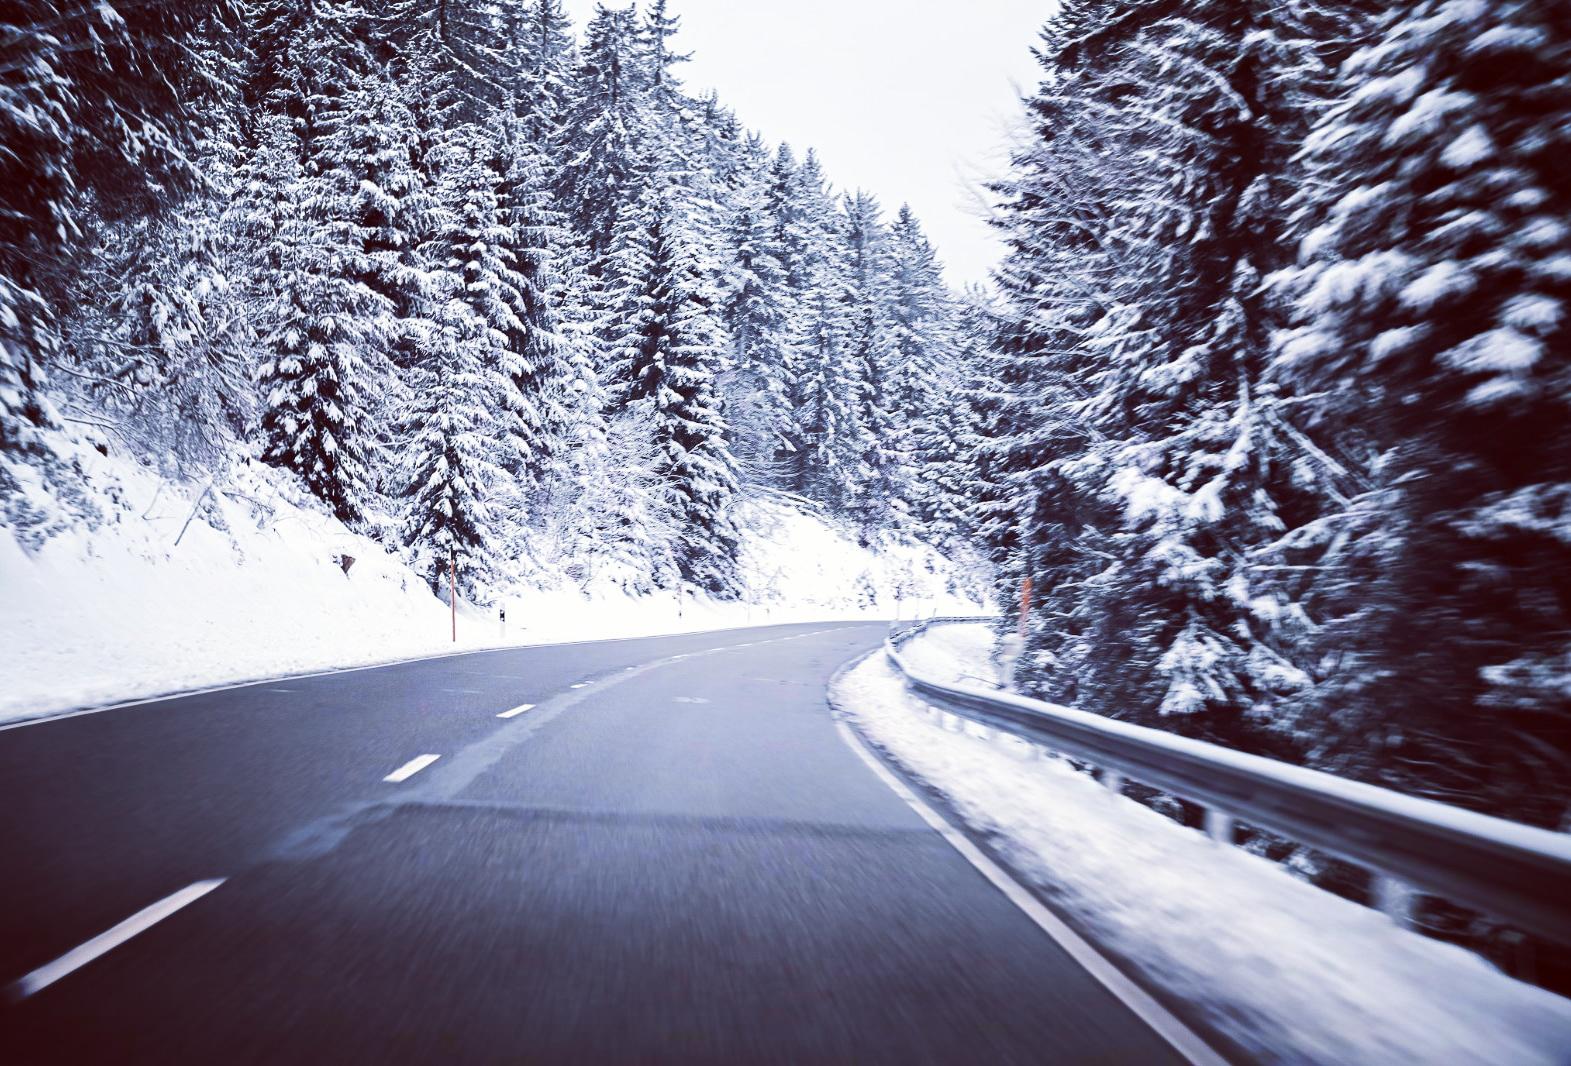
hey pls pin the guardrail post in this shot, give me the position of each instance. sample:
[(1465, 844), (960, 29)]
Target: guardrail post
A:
[(1395, 899), (1219, 826), (1010, 648), (1522, 964)]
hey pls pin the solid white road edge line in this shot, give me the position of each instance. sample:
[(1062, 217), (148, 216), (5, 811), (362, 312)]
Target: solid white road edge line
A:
[(1137, 999), (410, 768), (76, 958), (516, 711)]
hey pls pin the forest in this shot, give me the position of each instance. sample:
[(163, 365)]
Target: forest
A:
[(500, 294), (1269, 401)]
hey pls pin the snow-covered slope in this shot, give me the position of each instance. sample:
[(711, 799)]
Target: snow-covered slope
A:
[(111, 595)]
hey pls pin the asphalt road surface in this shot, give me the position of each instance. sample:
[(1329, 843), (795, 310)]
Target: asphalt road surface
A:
[(671, 856)]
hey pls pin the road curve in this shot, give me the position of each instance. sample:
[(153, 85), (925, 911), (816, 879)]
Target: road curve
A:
[(668, 855)]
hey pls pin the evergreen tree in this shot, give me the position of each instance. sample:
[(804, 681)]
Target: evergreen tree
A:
[(369, 151), (97, 107), (757, 309), (449, 439), (162, 335), (931, 421), (820, 449), (548, 370), (449, 435), (602, 137), (949, 489), (824, 438), (1143, 467), (316, 327), (1429, 363), (878, 497), (658, 28), (666, 357), (546, 50)]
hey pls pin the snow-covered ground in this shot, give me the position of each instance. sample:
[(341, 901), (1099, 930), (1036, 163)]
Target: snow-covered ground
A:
[(133, 602), (1291, 973)]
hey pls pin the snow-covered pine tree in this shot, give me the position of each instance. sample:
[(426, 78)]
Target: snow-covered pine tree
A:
[(922, 319), (879, 494), (655, 34), (161, 336), (1431, 361), (756, 310), (667, 351), (924, 326), (1141, 463), (96, 114), (948, 488), (547, 369), (545, 57), (370, 150), (449, 437), (317, 322), (466, 410), (599, 153), (820, 451), (155, 327), (824, 436)]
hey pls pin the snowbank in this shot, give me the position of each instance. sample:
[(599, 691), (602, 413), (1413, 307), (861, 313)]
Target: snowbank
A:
[(134, 602), (1291, 973)]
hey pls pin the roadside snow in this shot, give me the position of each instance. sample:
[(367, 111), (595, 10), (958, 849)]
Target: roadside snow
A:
[(1291, 973), (113, 609)]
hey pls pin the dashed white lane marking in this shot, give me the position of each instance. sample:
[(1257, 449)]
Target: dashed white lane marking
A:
[(688, 699), (76, 958), (410, 768), (1181, 1038), (581, 684), (516, 711)]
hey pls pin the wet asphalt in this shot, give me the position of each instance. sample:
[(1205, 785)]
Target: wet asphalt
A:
[(672, 857)]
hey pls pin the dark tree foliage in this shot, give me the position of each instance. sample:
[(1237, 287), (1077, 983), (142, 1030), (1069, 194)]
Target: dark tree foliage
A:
[(1431, 352), (99, 114), (1142, 464), (1275, 418)]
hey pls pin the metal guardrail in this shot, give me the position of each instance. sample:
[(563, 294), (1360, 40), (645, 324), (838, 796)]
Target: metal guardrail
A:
[(1516, 873)]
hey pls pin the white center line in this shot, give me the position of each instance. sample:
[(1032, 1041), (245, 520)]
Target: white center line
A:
[(516, 711), (76, 958), (410, 768)]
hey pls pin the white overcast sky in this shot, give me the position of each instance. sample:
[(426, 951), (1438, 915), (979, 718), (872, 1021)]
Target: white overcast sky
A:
[(910, 100)]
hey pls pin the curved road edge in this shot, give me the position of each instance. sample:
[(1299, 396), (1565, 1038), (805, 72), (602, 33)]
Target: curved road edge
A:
[(41, 717), (1166, 1014)]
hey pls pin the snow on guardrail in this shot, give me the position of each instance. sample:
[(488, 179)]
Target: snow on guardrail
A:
[(1516, 873)]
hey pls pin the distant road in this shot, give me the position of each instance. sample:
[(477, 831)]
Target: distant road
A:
[(669, 855)]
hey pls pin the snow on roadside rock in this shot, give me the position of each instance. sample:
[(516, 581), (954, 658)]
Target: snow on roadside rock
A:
[(101, 604), (1291, 973)]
